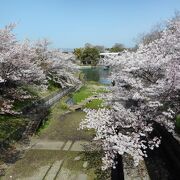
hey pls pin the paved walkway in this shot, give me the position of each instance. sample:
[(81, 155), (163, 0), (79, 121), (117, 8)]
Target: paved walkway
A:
[(58, 168), (60, 145), (50, 157), (57, 154)]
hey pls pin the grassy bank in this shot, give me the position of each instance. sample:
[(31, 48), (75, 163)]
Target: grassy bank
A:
[(82, 94), (89, 89), (64, 126), (9, 125), (94, 104)]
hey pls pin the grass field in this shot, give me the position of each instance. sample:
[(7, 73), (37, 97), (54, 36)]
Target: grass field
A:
[(89, 89), (82, 94), (94, 104)]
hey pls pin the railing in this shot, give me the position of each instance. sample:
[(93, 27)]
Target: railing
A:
[(40, 110), (36, 112), (47, 101)]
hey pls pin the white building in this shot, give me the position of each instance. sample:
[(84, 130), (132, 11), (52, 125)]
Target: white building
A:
[(102, 55)]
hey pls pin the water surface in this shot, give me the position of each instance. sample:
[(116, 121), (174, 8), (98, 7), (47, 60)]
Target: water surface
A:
[(98, 74)]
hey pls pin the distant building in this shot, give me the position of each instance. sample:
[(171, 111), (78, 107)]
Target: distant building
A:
[(102, 55)]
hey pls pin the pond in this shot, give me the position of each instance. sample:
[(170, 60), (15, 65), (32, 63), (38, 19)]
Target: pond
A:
[(98, 74)]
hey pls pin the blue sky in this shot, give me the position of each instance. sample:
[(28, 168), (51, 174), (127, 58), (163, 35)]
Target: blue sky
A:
[(72, 23)]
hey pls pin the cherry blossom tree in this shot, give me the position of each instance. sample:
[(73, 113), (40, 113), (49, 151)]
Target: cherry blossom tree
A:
[(17, 66), (57, 66), (63, 69), (146, 91), (23, 63), (17, 59)]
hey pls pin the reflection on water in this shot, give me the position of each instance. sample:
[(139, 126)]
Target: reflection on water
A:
[(70, 101), (98, 74)]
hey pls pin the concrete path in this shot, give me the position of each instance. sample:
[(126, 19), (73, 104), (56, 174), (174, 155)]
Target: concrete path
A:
[(52, 159), (56, 170), (60, 145), (57, 154)]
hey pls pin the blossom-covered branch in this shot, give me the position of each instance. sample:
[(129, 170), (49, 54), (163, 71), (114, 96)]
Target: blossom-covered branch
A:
[(146, 90)]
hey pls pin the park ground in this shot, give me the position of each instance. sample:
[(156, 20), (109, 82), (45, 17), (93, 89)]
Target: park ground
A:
[(56, 151)]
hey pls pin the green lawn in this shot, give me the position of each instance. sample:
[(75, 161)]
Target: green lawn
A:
[(82, 94), (89, 89), (94, 104)]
